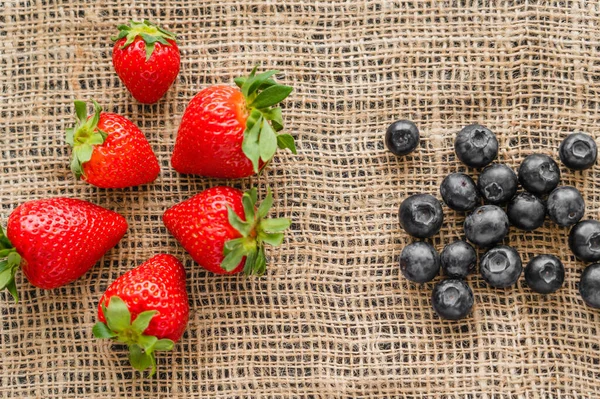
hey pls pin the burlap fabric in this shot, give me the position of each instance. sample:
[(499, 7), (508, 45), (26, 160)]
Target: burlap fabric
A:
[(332, 318)]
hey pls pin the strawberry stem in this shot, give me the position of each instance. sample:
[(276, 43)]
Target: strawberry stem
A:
[(84, 136), (261, 139), (119, 327), (149, 32), (256, 231), (9, 265)]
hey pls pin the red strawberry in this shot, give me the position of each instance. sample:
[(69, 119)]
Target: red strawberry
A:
[(56, 241), (109, 151), (146, 58), (223, 231), (228, 132), (146, 308)]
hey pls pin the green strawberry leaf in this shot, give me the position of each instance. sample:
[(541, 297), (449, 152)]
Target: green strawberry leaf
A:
[(276, 118), (147, 342), (142, 321), (233, 258), (286, 141), (164, 345), (101, 330), (117, 315), (275, 225), (267, 142), (141, 360), (271, 96), (81, 111), (12, 289), (274, 239), (148, 32), (250, 145), (237, 223)]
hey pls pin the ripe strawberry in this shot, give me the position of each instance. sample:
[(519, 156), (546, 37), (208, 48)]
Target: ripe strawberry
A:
[(223, 231), (56, 241), (154, 297), (146, 58), (109, 151), (228, 132)]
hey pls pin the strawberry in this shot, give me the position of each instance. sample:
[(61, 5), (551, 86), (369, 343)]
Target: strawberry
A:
[(230, 132), (223, 231), (146, 308), (146, 58), (56, 240), (109, 151)]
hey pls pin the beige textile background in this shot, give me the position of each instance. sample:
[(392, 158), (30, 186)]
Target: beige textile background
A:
[(332, 318)]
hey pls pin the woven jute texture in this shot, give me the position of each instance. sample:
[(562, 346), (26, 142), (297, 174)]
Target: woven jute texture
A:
[(333, 317)]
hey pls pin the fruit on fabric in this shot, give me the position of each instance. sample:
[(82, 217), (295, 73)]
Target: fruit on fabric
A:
[(402, 137), (539, 174), (224, 231), (452, 299), (458, 259), (584, 240), (56, 240), (589, 285), (565, 206), (146, 58), (230, 132), (421, 215), (526, 211), (146, 308), (419, 262), (501, 266), (109, 151), (578, 151), (486, 225), (545, 274), (497, 184), (476, 146), (459, 192)]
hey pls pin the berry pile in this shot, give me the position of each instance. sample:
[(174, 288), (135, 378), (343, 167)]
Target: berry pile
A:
[(487, 225)]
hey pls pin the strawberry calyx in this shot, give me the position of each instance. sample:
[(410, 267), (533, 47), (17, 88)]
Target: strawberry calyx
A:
[(256, 231), (261, 137), (10, 261), (120, 327), (147, 31), (84, 136)]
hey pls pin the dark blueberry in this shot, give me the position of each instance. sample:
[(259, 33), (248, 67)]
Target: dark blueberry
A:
[(526, 211), (497, 184), (419, 262), (539, 174), (421, 215), (402, 137), (545, 274), (589, 285), (459, 192), (476, 146), (565, 206), (584, 240), (458, 259), (578, 151), (501, 266), (486, 225), (452, 299)]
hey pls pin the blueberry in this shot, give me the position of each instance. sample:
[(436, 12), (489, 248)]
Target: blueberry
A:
[(584, 240), (421, 215), (578, 151), (526, 211), (589, 285), (565, 206), (458, 259), (539, 174), (452, 299), (459, 192), (497, 184), (419, 262), (501, 266), (402, 137), (476, 146), (545, 274), (486, 226)]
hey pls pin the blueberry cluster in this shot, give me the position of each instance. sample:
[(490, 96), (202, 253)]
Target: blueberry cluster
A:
[(486, 225)]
